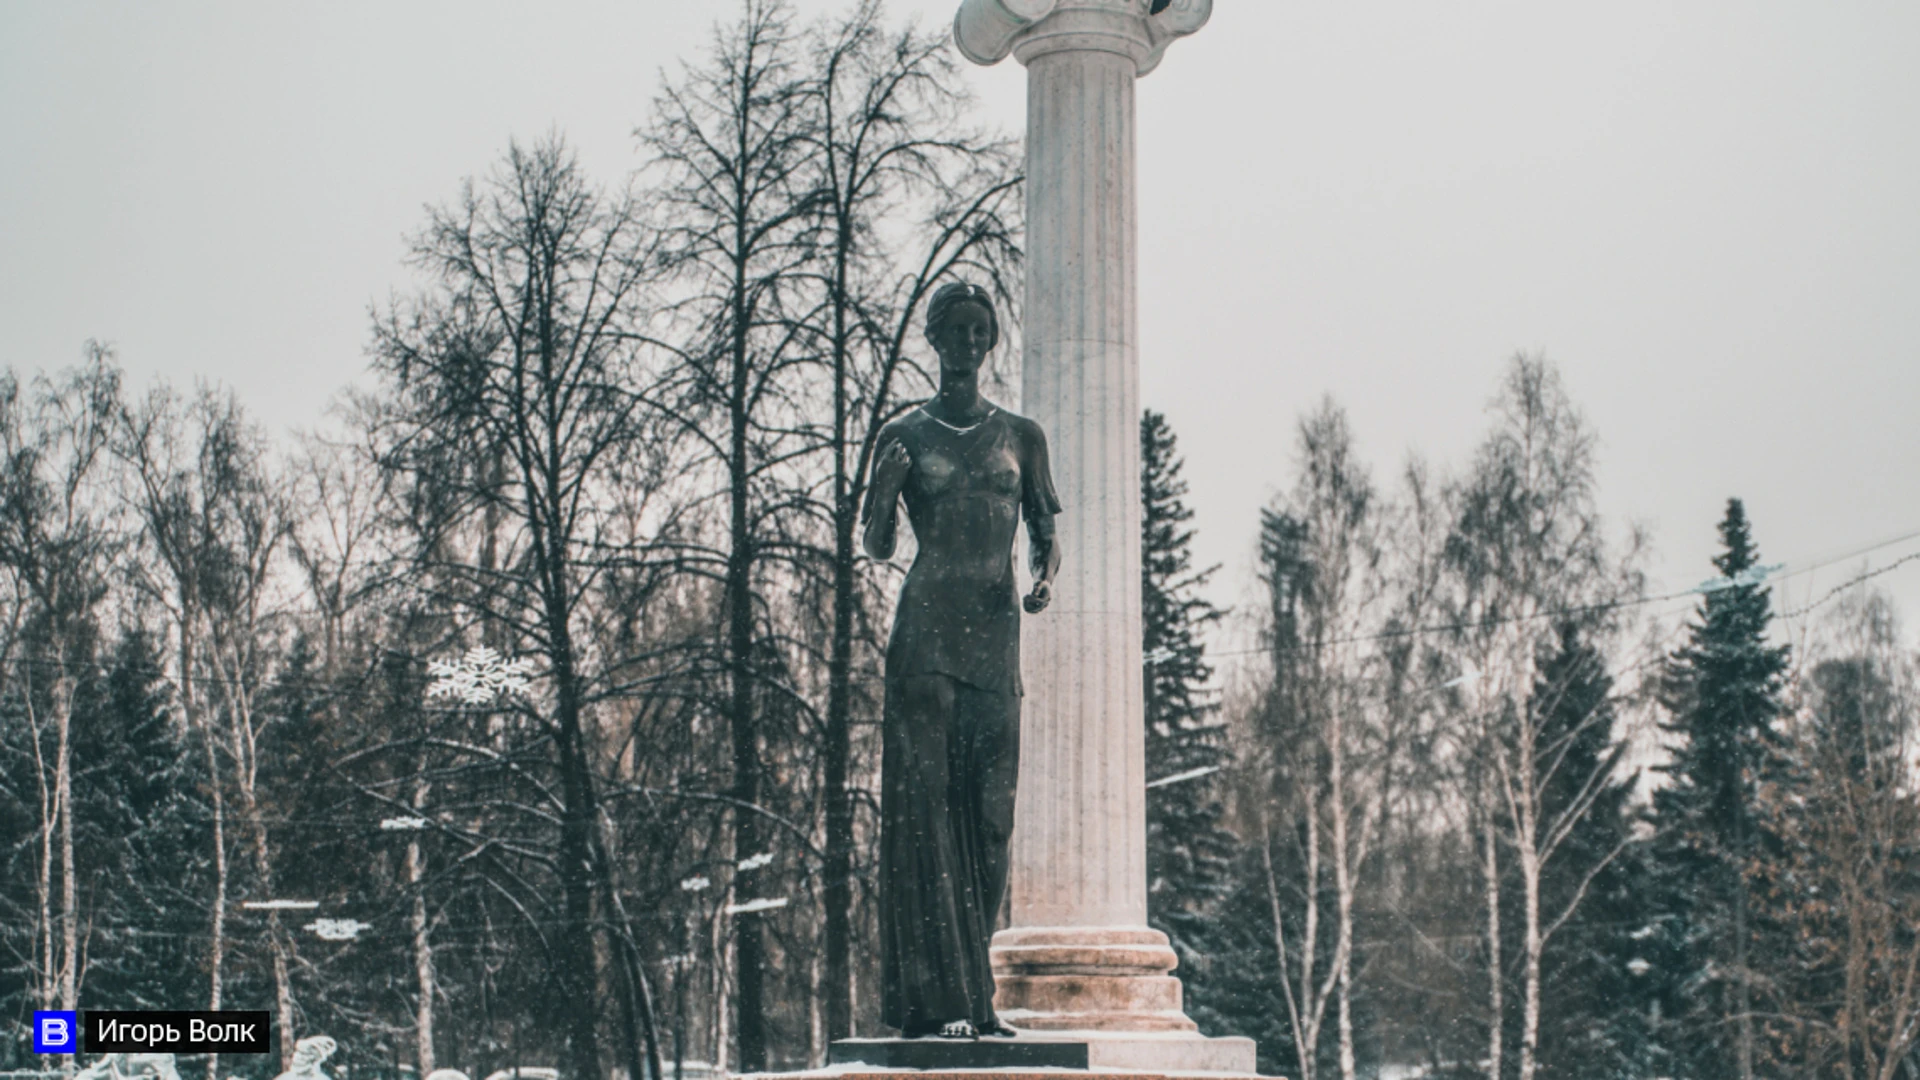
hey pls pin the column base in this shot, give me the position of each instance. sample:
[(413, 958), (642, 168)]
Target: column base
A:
[(1086, 978), (1113, 987)]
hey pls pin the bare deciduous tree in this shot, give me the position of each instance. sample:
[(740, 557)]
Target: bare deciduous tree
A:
[(887, 133), (56, 542), (1326, 718), (736, 212), (1841, 884), (211, 525), (1527, 549), (517, 408)]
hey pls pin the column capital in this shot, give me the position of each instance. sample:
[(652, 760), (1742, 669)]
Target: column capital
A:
[(986, 31)]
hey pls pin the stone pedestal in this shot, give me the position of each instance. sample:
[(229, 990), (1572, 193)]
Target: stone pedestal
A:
[(1098, 1072), (990, 1052), (1115, 1051), (1079, 956)]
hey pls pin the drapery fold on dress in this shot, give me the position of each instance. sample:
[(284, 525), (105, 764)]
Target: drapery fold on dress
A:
[(950, 726), (950, 755)]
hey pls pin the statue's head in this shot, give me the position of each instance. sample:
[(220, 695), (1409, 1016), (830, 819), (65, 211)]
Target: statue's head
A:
[(962, 326), (311, 1051)]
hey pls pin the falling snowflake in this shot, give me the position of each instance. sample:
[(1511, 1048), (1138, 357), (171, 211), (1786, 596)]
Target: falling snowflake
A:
[(756, 905), (755, 862), (281, 905), (479, 677), (695, 884), (1639, 966), (403, 824), (337, 929)]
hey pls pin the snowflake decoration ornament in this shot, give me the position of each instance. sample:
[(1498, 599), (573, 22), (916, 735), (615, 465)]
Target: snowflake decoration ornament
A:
[(481, 676), (337, 929), (1752, 575)]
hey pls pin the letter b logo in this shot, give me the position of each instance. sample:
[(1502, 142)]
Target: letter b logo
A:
[(55, 1032)]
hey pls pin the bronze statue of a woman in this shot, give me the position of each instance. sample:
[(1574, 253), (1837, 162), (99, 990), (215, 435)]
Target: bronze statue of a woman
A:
[(969, 473)]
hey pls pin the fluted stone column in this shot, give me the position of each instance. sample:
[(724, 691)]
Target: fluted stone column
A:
[(1078, 955)]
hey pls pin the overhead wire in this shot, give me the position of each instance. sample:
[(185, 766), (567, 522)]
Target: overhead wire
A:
[(101, 667), (1611, 605)]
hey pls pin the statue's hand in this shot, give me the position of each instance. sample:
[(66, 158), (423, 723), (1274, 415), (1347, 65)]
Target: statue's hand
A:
[(890, 472), (1037, 600)]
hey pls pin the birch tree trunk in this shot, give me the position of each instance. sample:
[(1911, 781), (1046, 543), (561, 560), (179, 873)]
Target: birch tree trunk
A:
[(1308, 1036), (56, 963), (276, 931), (1530, 1017), (243, 747), (1305, 1032), (43, 885), (1496, 1005), (722, 1006), (1342, 883), (218, 949), (422, 947), (1522, 783), (69, 891)]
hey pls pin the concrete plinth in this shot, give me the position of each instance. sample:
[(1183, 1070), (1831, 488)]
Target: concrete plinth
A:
[(1171, 1052), (1215, 1069), (990, 1052)]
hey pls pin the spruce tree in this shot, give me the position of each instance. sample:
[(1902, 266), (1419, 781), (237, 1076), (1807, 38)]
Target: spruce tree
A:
[(1722, 693), (1592, 1019), (1187, 849), (141, 826)]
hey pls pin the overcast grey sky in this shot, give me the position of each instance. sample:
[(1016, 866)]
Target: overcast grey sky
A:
[(1705, 213)]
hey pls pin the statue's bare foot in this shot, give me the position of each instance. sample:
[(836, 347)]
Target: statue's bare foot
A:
[(959, 1029), (1000, 1029)]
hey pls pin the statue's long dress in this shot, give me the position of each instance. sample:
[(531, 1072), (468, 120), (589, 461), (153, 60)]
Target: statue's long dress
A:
[(951, 723)]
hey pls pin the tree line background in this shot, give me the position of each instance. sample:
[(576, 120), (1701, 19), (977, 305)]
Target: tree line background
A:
[(545, 683)]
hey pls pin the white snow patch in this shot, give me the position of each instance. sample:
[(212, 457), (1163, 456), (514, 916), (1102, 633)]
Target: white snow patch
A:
[(756, 905)]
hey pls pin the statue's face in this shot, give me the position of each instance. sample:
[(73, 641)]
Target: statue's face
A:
[(304, 1057), (963, 337)]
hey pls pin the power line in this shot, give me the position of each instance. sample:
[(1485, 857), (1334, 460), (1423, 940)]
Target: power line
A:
[(100, 667), (1612, 605), (1858, 579)]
